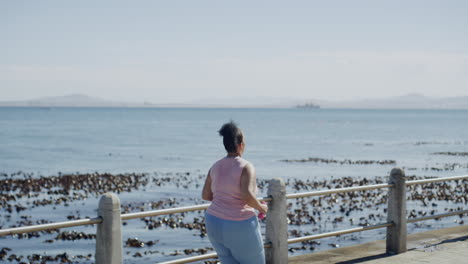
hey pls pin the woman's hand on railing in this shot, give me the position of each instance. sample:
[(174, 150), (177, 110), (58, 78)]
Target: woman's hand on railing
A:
[(263, 210)]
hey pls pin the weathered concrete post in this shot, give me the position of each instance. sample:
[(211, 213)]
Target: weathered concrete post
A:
[(109, 232), (396, 234), (277, 224)]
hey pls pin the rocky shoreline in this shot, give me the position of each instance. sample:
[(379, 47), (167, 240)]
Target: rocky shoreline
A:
[(343, 162), (23, 193)]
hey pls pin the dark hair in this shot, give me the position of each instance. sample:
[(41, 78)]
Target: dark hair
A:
[(232, 136)]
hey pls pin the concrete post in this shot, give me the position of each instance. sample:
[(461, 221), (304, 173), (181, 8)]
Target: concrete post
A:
[(396, 234), (109, 232), (277, 224)]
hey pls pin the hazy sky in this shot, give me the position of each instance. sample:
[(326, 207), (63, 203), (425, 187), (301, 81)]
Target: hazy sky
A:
[(178, 51)]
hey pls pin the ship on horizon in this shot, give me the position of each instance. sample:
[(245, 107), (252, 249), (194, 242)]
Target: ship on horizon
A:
[(308, 106)]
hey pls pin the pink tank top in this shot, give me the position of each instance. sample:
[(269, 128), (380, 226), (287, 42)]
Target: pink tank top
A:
[(225, 184)]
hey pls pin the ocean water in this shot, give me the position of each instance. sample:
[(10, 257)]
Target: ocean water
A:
[(52, 140), (179, 141)]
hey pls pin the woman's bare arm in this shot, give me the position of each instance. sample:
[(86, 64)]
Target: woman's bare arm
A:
[(207, 194), (248, 185)]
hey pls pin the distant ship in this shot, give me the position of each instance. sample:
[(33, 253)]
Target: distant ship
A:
[(308, 106)]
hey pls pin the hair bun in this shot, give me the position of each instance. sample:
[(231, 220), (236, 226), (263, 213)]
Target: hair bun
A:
[(232, 136), (228, 129)]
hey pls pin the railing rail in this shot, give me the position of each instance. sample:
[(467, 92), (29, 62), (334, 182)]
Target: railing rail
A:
[(414, 220), (337, 233), (280, 195), (340, 190), (174, 210), (191, 259), (51, 226), (164, 211), (441, 179)]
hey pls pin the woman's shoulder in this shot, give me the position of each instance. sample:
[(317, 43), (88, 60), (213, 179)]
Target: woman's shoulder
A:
[(240, 161), (243, 162), (216, 163)]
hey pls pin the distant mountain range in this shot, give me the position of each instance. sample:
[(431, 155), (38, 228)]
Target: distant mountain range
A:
[(412, 101), (72, 100)]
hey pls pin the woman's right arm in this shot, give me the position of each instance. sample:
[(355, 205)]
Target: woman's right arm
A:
[(207, 193)]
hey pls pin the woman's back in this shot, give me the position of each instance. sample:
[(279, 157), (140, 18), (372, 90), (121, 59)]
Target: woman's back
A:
[(225, 184), (230, 220)]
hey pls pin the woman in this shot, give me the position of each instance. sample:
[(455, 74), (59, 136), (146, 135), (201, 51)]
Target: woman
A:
[(231, 220)]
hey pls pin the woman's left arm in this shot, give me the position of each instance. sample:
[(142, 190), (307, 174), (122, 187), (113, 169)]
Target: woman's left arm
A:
[(248, 186), (207, 194)]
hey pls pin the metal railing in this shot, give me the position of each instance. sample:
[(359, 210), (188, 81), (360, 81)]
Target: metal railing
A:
[(109, 216), (336, 233), (340, 190), (452, 178), (174, 210), (372, 187), (51, 226)]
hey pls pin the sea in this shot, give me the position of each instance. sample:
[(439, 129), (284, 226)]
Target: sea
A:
[(50, 141)]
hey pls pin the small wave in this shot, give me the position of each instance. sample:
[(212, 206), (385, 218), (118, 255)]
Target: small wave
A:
[(343, 162)]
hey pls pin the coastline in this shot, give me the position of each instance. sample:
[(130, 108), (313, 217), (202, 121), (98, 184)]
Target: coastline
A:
[(164, 238)]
